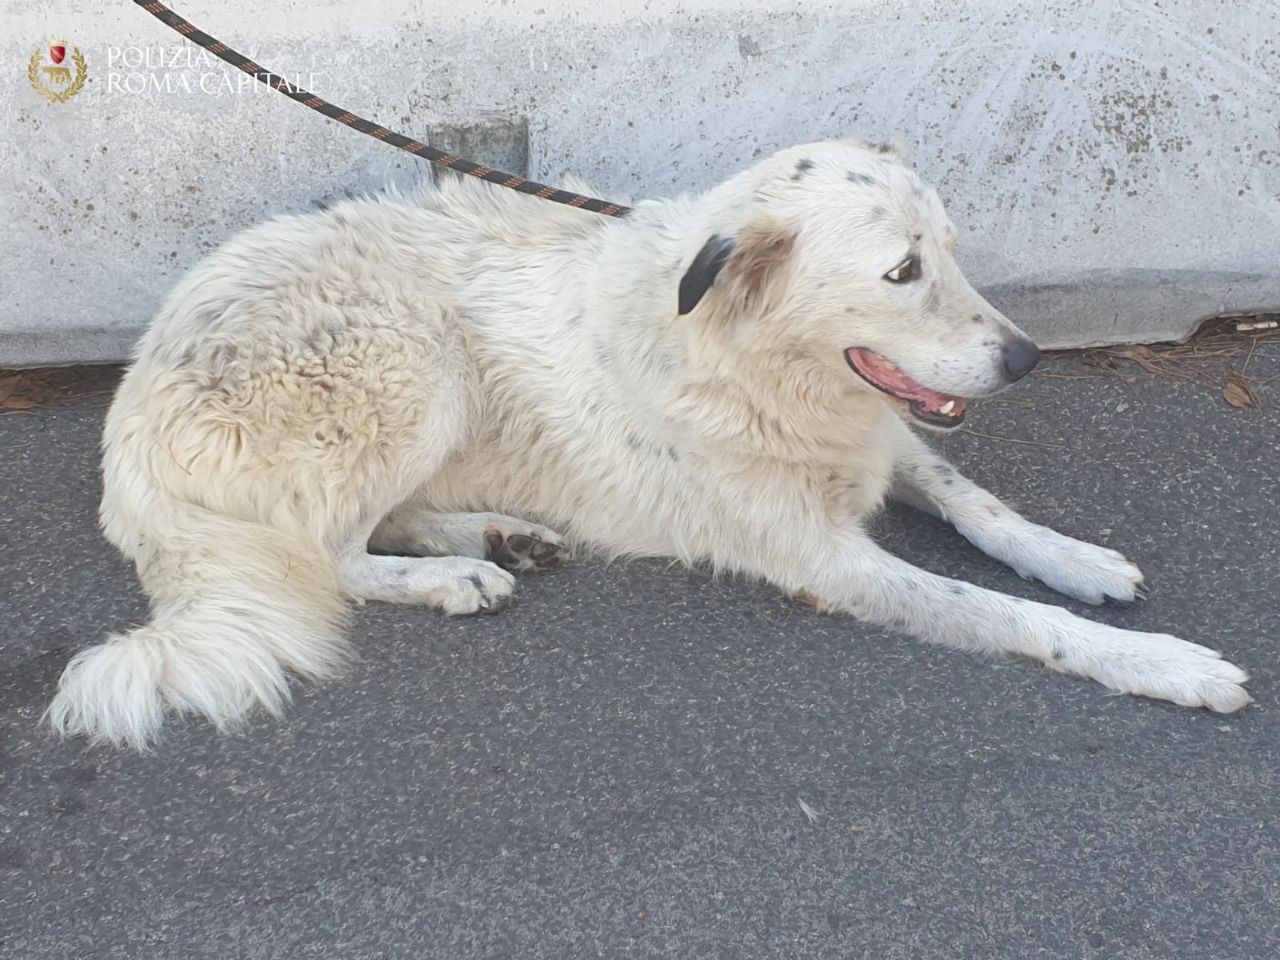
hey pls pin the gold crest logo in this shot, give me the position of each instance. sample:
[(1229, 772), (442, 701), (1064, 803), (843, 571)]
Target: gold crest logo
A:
[(54, 81)]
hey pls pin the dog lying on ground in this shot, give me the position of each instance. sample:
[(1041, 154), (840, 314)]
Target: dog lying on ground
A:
[(328, 406)]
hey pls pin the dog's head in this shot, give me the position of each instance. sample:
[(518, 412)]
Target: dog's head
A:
[(838, 253)]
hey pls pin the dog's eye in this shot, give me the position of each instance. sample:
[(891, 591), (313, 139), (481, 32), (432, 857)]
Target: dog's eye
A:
[(904, 272)]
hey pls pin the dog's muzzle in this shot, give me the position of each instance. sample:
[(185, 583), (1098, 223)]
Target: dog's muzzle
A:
[(928, 406)]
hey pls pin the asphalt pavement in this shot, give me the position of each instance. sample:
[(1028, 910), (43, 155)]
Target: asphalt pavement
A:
[(615, 767)]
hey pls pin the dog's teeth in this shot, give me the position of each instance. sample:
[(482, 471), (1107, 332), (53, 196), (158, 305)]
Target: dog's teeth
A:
[(947, 407)]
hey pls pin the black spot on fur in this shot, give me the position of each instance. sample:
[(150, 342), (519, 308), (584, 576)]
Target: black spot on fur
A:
[(861, 179), (976, 318), (1058, 653), (633, 441), (957, 590), (673, 454), (803, 167), (702, 272)]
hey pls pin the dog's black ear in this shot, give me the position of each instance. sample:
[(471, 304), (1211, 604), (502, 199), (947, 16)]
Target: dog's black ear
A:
[(702, 272)]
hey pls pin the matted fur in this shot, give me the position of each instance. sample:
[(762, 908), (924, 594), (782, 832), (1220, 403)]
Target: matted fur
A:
[(374, 374)]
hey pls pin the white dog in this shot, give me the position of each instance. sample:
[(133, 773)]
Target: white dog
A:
[(324, 404)]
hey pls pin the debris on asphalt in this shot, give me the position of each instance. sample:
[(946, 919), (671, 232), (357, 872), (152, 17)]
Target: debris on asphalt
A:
[(1248, 326), (1237, 392), (810, 814), (1209, 357), (25, 390)]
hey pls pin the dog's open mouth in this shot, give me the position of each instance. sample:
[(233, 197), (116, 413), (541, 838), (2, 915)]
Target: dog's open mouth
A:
[(929, 406)]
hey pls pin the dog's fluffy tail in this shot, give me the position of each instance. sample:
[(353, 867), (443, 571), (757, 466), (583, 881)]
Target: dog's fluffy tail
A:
[(236, 604)]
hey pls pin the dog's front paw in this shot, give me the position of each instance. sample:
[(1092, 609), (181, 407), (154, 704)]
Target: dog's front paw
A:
[(1081, 570), (1154, 665)]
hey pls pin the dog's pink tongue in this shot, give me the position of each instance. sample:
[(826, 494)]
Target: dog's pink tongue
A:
[(889, 377)]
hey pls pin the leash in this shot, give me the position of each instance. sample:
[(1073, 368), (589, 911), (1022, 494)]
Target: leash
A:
[(416, 147)]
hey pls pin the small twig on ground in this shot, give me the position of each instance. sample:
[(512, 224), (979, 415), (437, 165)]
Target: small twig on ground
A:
[(1034, 443), (1245, 366)]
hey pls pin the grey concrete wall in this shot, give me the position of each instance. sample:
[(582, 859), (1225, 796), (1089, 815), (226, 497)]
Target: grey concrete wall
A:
[(1114, 167)]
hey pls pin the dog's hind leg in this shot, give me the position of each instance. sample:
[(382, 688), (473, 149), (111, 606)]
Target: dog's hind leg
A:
[(856, 576), (458, 586), (244, 480), (924, 480), (511, 543)]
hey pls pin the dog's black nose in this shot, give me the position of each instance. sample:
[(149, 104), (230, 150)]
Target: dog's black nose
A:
[(1019, 357)]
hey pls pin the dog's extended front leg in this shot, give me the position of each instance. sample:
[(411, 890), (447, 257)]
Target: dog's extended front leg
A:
[(924, 480), (861, 578)]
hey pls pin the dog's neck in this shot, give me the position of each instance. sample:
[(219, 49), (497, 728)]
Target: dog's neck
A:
[(711, 379)]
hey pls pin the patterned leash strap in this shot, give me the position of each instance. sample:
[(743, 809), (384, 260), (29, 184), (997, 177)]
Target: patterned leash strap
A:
[(417, 148)]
